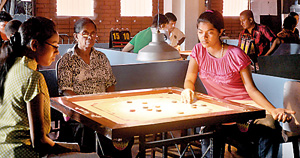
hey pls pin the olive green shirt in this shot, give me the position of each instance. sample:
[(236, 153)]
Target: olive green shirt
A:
[(22, 84)]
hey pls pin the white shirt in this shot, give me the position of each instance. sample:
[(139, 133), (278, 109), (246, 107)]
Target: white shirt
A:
[(175, 36)]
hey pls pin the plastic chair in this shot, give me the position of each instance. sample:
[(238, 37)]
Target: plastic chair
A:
[(291, 100)]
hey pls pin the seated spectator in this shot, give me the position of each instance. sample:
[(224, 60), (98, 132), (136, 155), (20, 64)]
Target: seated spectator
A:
[(85, 70), (143, 38), (4, 19), (12, 27), (260, 34), (287, 35), (176, 36), (296, 16)]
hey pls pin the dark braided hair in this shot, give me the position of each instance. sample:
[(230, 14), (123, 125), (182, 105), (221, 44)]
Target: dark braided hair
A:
[(38, 28)]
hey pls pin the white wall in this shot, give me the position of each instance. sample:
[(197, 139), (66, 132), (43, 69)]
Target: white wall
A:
[(263, 7), (187, 12), (192, 11), (167, 6)]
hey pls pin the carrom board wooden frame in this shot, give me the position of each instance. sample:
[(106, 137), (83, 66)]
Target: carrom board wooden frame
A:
[(239, 112)]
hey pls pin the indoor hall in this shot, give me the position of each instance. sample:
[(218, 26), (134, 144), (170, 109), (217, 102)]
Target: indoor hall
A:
[(152, 80)]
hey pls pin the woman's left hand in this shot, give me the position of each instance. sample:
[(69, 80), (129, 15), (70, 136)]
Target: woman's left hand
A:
[(282, 115)]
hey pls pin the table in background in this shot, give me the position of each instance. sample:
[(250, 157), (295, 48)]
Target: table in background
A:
[(185, 54)]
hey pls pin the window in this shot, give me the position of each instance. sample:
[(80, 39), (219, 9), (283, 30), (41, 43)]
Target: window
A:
[(136, 7), (234, 7), (75, 7)]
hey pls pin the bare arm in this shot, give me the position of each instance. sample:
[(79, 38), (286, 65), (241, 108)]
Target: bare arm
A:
[(128, 47), (191, 75), (181, 41), (187, 95), (273, 47), (68, 92), (35, 112), (277, 113), (40, 141), (111, 88), (2, 4)]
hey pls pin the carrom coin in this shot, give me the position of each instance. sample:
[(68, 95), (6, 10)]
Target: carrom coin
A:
[(129, 101), (158, 110), (180, 112), (132, 110), (174, 101)]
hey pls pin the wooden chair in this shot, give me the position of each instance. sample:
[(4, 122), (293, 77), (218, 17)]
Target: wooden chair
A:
[(291, 100)]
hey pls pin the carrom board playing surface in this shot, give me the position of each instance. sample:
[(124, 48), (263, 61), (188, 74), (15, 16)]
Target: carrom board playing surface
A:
[(146, 111), (142, 108)]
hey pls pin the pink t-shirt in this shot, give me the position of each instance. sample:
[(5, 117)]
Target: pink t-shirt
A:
[(221, 76)]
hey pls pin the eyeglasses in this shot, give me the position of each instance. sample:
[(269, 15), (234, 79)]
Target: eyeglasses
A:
[(55, 47), (87, 35)]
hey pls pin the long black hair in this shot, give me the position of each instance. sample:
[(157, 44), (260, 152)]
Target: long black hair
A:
[(38, 28)]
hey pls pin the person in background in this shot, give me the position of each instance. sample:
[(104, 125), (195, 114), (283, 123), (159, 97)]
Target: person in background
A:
[(144, 37), (287, 34), (12, 27), (176, 36), (24, 99), (4, 19), (260, 34), (225, 72), (85, 70), (296, 16)]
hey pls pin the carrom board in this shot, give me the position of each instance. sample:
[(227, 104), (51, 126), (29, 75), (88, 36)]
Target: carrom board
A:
[(146, 111), (131, 109)]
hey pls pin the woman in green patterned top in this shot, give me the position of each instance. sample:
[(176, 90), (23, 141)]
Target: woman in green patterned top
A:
[(24, 98)]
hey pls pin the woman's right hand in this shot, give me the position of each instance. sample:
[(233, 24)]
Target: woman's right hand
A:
[(187, 96)]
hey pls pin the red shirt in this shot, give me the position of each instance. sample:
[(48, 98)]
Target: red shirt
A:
[(221, 76), (262, 36)]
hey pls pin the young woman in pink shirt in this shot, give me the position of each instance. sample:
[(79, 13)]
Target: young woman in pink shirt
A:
[(225, 72)]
